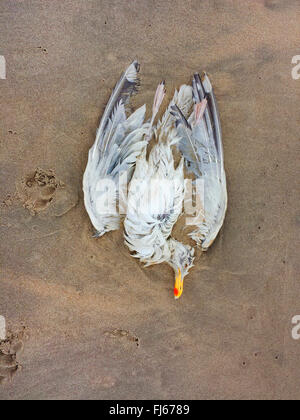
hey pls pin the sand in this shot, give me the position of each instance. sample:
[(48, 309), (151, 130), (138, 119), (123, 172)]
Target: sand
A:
[(86, 320)]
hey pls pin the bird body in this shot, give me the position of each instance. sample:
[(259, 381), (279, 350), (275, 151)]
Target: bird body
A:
[(154, 204), (155, 200)]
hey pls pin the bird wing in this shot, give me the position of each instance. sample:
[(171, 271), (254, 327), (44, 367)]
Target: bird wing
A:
[(119, 141), (201, 145), (154, 204)]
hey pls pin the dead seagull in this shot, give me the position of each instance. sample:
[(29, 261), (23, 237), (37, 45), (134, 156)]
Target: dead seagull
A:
[(157, 188)]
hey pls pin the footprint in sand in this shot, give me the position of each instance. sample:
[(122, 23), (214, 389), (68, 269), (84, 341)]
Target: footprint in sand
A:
[(8, 366), (10, 348), (37, 190), (122, 334)]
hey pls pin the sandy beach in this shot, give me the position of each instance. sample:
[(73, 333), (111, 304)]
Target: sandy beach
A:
[(84, 319)]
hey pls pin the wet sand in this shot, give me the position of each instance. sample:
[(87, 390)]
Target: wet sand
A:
[(85, 319)]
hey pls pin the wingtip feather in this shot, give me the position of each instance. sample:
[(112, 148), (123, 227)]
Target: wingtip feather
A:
[(206, 83)]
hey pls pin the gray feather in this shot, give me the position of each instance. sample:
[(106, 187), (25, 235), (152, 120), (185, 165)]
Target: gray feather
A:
[(118, 143), (126, 86)]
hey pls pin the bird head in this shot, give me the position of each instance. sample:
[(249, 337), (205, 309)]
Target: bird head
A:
[(182, 258)]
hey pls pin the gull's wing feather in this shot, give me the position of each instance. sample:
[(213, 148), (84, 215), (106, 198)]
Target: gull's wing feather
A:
[(126, 86), (187, 144), (201, 145), (118, 142), (212, 113), (184, 100)]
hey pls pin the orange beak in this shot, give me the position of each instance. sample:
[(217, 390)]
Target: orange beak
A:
[(178, 289)]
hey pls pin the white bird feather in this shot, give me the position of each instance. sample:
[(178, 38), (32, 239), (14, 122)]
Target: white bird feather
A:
[(119, 141)]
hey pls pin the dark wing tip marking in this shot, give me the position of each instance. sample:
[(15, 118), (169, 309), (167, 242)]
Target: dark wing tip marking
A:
[(136, 65)]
